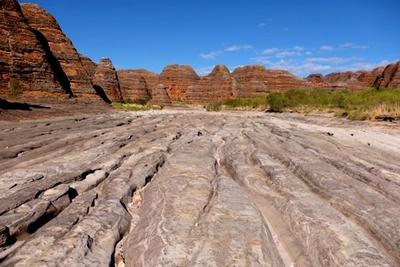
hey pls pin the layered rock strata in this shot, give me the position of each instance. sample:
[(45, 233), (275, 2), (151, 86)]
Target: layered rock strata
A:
[(177, 79), (106, 79), (24, 61), (133, 86), (65, 58), (218, 85)]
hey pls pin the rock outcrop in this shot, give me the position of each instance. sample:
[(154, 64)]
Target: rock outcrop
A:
[(317, 81), (177, 79), (256, 81), (106, 79), (250, 81), (24, 62), (218, 85), (89, 65), (151, 78), (159, 95), (62, 51), (389, 77), (282, 80), (133, 86)]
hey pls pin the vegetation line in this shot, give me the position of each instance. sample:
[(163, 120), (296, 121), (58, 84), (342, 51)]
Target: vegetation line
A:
[(366, 104)]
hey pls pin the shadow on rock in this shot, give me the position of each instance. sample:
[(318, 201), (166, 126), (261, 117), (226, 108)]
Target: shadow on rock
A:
[(5, 105)]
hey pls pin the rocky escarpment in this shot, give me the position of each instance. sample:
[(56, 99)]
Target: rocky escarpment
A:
[(317, 81), (379, 77), (218, 85), (133, 86), (89, 65), (255, 81), (389, 77), (106, 79), (61, 48), (177, 79), (24, 62)]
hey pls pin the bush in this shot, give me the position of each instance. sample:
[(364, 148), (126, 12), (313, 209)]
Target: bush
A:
[(15, 89), (277, 102), (135, 107), (214, 106)]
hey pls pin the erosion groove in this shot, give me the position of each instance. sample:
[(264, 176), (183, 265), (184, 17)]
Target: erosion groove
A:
[(191, 188)]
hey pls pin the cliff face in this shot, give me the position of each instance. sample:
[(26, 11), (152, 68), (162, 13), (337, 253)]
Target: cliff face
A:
[(106, 79), (255, 81), (218, 85), (65, 55), (177, 79), (133, 86), (24, 60)]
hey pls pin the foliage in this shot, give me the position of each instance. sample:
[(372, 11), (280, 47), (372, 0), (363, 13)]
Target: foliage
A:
[(135, 106)]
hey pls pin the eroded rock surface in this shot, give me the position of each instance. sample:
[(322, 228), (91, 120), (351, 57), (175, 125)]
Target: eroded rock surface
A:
[(218, 85), (106, 79), (133, 86), (177, 79), (65, 58), (24, 62), (190, 188)]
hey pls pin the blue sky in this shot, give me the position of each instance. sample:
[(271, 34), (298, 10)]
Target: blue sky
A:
[(301, 36)]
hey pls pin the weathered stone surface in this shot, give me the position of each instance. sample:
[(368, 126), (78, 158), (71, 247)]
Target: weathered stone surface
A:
[(159, 95), (89, 65), (178, 78), (106, 78), (389, 77), (133, 86), (151, 78), (282, 80), (192, 188), (23, 58), (255, 81), (218, 85), (317, 81), (70, 71)]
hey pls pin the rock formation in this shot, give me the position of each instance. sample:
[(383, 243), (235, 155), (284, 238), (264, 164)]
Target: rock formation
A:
[(256, 81), (389, 77), (218, 85), (63, 53), (24, 62), (317, 81), (89, 65), (282, 80), (177, 79), (159, 95), (250, 81), (106, 79), (133, 86)]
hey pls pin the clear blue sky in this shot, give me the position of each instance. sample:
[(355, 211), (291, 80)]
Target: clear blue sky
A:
[(301, 36)]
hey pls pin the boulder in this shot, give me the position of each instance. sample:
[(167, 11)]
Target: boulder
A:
[(106, 79), (24, 63), (177, 79), (133, 86)]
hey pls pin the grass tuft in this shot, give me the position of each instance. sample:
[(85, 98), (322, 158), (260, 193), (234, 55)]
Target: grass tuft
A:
[(135, 106)]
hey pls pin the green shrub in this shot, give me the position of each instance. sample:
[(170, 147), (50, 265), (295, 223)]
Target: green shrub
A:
[(135, 107), (277, 102), (15, 89), (214, 106)]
